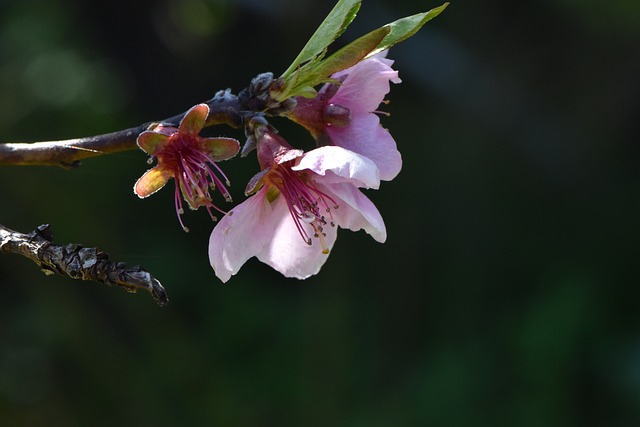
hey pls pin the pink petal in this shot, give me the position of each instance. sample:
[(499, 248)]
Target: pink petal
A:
[(344, 166), (382, 57), (368, 138), (151, 142), (357, 212), (240, 235), (287, 252), (194, 120), (365, 86), (152, 180), (266, 230)]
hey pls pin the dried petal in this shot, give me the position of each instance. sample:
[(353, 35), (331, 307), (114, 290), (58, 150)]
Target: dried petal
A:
[(219, 149), (152, 180), (152, 142), (194, 120)]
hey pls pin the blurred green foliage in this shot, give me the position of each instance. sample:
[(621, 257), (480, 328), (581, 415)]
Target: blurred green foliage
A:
[(506, 294)]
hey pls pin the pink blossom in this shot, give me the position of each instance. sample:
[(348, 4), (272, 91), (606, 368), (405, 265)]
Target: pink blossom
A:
[(189, 159), (299, 198), (345, 114)]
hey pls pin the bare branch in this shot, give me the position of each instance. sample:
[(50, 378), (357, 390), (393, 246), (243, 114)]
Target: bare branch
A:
[(225, 108), (68, 153), (79, 263)]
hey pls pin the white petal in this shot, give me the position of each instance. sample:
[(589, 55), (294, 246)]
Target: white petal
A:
[(357, 212), (342, 164)]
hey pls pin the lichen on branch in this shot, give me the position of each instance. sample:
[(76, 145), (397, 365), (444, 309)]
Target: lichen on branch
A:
[(77, 262)]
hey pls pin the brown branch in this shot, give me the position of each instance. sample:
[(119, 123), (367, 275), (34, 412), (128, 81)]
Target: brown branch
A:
[(68, 153), (79, 263), (225, 108)]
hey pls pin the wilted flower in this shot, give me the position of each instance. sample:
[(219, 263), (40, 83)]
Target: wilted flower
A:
[(345, 114), (298, 200), (189, 159)]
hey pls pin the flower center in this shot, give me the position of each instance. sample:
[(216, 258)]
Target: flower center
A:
[(307, 203), (194, 176), (336, 115)]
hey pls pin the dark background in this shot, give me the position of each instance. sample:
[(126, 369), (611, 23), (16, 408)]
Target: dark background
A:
[(507, 292)]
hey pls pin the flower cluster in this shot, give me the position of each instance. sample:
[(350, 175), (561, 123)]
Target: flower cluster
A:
[(300, 199), (297, 200)]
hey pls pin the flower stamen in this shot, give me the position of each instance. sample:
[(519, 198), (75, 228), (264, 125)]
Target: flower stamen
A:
[(179, 209), (307, 204), (188, 158), (195, 178)]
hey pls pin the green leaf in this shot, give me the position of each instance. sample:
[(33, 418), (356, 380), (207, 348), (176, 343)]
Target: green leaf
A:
[(351, 54), (311, 68), (311, 74), (331, 28), (404, 28), (306, 91)]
